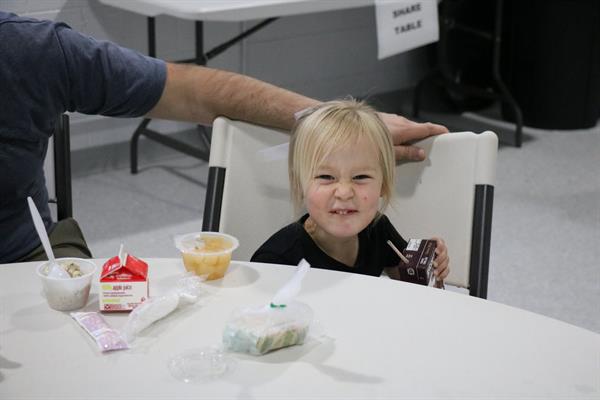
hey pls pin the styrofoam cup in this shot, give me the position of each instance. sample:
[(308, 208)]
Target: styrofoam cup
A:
[(66, 294)]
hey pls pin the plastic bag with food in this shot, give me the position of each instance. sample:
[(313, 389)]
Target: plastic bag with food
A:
[(282, 323)]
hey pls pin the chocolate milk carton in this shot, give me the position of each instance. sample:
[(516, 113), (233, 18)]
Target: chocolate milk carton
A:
[(419, 269), (123, 285)]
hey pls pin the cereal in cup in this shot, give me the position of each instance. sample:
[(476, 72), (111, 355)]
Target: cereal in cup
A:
[(66, 294), (206, 253)]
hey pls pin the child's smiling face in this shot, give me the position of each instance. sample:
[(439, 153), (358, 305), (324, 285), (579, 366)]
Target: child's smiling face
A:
[(343, 195)]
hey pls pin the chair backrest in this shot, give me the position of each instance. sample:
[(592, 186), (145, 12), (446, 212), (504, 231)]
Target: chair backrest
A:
[(449, 195), (57, 169)]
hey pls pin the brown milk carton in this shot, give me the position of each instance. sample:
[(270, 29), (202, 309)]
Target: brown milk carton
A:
[(123, 286), (419, 269)]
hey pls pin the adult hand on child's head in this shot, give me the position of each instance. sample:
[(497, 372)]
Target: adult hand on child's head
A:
[(405, 131), (441, 261)]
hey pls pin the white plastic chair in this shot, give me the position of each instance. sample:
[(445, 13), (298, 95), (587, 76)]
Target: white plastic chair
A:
[(449, 195)]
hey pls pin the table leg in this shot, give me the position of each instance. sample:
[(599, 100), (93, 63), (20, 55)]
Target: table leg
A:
[(504, 92), (140, 130), (200, 58)]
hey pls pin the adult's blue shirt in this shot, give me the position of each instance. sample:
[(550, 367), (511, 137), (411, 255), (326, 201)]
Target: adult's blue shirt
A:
[(46, 69)]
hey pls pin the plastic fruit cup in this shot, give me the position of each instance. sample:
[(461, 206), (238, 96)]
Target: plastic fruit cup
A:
[(69, 293), (207, 253)]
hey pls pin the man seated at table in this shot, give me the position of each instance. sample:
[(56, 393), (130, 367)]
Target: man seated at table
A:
[(46, 69)]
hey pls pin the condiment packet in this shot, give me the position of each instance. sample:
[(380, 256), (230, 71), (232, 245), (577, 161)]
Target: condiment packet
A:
[(104, 335)]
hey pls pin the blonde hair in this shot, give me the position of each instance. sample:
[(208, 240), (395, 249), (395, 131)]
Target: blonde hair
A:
[(329, 126)]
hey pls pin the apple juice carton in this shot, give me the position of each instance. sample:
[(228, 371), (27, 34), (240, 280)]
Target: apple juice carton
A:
[(123, 285)]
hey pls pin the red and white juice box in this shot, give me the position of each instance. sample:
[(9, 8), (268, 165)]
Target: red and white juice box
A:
[(123, 285)]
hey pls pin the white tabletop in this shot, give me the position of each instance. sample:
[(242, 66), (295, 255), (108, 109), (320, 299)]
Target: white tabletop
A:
[(232, 10), (385, 339)]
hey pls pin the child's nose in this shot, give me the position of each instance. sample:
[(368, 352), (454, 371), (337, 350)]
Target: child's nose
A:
[(344, 191)]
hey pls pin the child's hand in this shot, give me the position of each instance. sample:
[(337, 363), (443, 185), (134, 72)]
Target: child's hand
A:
[(441, 261)]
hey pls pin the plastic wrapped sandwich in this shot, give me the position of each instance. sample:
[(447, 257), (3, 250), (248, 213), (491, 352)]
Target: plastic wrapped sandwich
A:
[(282, 323)]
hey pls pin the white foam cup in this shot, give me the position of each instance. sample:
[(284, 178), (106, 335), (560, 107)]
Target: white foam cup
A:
[(67, 294)]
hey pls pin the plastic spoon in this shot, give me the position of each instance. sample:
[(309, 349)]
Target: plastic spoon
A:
[(292, 287), (122, 255), (56, 271)]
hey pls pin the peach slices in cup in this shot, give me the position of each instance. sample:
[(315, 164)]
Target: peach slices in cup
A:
[(206, 253)]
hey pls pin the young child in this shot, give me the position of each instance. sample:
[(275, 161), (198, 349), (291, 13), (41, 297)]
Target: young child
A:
[(341, 169)]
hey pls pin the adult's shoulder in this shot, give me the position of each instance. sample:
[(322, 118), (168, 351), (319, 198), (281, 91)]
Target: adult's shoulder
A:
[(109, 79), (34, 76), (29, 39), (17, 20)]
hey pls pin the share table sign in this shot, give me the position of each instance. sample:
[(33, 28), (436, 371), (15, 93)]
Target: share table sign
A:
[(405, 25)]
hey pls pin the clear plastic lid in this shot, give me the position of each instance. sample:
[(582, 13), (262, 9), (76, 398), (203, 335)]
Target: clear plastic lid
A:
[(201, 365)]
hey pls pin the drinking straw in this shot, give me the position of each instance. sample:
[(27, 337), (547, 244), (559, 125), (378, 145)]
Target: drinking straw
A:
[(404, 259)]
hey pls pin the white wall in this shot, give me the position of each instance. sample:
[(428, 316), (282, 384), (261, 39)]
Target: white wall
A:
[(323, 55)]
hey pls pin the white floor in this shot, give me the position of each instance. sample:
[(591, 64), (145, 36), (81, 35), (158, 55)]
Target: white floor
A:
[(546, 223)]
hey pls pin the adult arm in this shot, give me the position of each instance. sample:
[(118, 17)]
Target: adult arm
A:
[(199, 94)]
